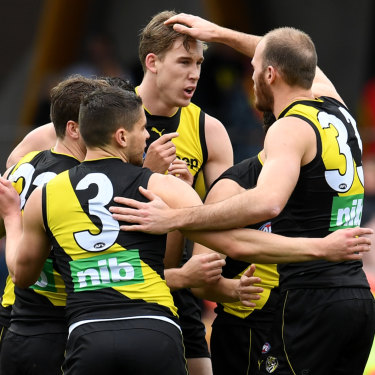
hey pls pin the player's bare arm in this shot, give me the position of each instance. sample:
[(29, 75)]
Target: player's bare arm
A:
[(283, 161), (27, 244), (199, 270), (322, 86), (202, 29), (41, 138), (10, 217), (253, 245), (227, 290), (219, 149)]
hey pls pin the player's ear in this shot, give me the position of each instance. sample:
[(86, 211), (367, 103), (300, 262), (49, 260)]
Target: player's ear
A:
[(271, 73), (151, 62), (121, 137), (72, 129)]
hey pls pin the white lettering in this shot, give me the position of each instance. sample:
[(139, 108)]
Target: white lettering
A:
[(42, 281), (340, 216), (118, 269), (358, 216), (104, 272), (92, 273)]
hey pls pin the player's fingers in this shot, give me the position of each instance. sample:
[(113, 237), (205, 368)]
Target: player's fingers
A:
[(212, 256), (167, 137), (362, 241), (249, 281), (127, 217), (125, 202), (133, 228), (362, 231), (250, 271), (362, 248), (181, 17), (175, 171), (147, 193)]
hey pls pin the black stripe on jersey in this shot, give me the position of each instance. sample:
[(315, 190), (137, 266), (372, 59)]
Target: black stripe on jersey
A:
[(202, 137), (44, 211)]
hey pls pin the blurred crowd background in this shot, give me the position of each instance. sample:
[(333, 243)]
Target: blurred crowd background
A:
[(43, 41)]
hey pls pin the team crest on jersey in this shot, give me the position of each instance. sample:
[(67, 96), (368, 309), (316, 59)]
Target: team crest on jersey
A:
[(266, 227), (266, 348), (271, 364)]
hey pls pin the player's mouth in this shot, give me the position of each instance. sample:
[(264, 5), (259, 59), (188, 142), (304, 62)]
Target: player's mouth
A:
[(189, 91)]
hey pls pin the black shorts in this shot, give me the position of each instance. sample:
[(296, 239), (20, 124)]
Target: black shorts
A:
[(321, 331), (193, 329), (134, 346), (32, 355), (236, 348)]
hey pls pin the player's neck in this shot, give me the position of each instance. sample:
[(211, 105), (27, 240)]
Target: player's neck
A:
[(288, 96), (95, 153), (153, 100), (69, 148)]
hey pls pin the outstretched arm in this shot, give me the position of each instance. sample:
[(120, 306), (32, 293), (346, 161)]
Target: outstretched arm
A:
[(284, 149), (252, 245), (256, 246), (202, 29), (199, 28)]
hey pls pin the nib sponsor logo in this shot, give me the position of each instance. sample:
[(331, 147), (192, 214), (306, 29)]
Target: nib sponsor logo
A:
[(104, 271), (346, 211)]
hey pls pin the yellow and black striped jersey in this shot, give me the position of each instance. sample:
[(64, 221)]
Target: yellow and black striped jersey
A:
[(108, 273), (328, 195), (40, 308)]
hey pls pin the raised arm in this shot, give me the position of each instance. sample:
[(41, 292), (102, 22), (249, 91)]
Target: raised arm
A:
[(41, 138), (207, 31), (322, 86), (202, 29)]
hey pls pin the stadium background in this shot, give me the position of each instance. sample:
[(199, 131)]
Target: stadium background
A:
[(44, 40)]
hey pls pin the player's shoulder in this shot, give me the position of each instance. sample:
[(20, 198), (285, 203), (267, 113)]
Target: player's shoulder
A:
[(213, 124)]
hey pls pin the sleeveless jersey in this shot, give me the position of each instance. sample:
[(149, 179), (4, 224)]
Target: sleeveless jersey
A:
[(246, 175), (39, 308), (108, 273), (328, 195), (189, 122)]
